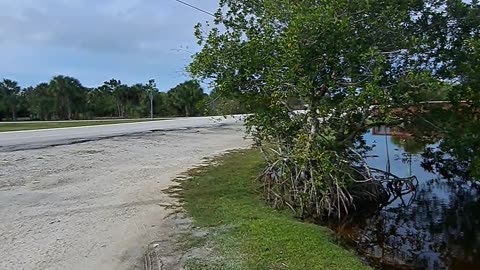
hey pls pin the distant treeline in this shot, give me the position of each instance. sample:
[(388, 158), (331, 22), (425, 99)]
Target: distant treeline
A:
[(65, 98)]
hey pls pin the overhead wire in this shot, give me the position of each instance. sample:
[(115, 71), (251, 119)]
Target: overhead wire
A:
[(195, 7)]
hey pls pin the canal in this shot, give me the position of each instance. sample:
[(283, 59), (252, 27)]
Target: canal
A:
[(436, 225)]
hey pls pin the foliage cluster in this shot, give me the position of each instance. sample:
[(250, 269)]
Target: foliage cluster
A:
[(352, 63)]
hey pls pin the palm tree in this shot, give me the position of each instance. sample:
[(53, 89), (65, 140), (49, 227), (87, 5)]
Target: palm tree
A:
[(69, 95), (186, 96), (10, 90), (119, 92), (41, 101)]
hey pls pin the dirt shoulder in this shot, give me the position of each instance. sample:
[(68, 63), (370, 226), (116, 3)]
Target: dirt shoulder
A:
[(101, 204)]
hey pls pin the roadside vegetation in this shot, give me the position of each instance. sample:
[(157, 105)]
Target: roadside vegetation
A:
[(48, 125), (355, 65), (65, 98), (244, 232)]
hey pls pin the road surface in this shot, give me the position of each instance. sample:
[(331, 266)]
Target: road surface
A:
[(101, 203), (20, 140)]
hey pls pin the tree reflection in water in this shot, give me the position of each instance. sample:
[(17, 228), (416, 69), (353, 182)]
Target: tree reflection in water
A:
[(435, 227)]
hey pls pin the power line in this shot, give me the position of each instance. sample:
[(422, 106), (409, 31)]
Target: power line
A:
[(197, 8)]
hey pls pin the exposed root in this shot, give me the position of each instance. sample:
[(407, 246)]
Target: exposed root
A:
[(329, 185)]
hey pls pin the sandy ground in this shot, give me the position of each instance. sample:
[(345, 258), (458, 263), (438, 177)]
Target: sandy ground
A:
[(97, 205)]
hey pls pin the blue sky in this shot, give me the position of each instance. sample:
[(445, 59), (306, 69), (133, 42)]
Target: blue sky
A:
[(96, 40)]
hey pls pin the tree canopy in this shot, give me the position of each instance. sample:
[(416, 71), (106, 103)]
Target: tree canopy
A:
[(10, 91), (352, 63), (186, 98)]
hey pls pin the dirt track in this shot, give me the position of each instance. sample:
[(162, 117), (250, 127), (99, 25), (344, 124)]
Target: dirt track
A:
[(96, 205)]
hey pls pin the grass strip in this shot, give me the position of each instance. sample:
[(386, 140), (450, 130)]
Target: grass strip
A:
[(249, 234), (4, 127)]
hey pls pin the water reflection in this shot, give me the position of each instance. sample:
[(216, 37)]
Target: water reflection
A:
[(438, 229)]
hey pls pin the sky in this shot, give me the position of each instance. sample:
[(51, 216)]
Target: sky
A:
[(97, 40)]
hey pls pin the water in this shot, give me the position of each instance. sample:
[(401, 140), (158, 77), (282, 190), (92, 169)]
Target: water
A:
[(435, 227)]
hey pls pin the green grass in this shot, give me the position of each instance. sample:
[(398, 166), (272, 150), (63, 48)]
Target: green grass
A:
[(248, 233), (5, 126)]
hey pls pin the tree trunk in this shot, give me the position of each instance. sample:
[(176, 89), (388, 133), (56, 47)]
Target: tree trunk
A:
[(119, 111), (186, 111), (314, 102), (69, 111), (14, 113), (314, 122)]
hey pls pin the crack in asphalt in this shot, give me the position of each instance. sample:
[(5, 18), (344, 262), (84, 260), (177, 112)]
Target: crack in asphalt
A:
[(20, 147)]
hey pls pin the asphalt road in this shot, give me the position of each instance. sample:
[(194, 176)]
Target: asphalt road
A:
[(33, 139)]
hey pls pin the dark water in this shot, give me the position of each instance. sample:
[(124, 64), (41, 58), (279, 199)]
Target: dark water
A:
[(437, 226)]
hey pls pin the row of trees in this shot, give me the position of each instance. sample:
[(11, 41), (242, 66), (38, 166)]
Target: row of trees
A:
[(65, 98)]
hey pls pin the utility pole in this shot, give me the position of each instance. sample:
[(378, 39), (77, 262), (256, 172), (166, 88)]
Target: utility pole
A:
[(151, 86)]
